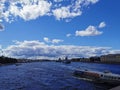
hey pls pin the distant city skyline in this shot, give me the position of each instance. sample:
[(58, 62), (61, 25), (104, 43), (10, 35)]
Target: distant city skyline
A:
[(59, 28)]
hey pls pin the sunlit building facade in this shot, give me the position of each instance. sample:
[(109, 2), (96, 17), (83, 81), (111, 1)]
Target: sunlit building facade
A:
[(110, 58)]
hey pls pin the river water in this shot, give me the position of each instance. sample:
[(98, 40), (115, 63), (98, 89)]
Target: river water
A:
[(50, 76)]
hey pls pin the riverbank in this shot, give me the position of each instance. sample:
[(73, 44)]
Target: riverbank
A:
[(99, 62), (10, 61)]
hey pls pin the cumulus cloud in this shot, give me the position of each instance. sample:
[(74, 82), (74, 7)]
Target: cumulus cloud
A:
[(32, 9), (54, 41), (65, 12), (25, 9), (102, 25), (114, 51), (29, 12), (38, 50), (89, 31), (72, 10)]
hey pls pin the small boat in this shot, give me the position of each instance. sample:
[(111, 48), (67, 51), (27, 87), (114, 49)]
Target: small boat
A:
[(59, 60), (99, 77), (17, 64), (66, 61)]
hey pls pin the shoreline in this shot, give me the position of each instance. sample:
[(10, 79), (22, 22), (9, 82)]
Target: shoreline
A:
[(114, 63), (17, 63)]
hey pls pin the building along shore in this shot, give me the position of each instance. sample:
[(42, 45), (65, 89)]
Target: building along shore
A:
[(110, 59)]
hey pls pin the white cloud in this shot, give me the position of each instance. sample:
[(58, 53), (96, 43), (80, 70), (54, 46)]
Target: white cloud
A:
[(46, 39), (58, 0), (102, 25), (0, 20), (87, 2), (27, 9), (32, 9), (29, 12), (54, 41), (68, 35), (65, 12), (37, 49), (72, 10), (114, 51), (89, 31), (94, 1)]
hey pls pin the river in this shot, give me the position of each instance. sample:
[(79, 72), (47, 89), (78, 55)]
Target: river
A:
[(50, 76)]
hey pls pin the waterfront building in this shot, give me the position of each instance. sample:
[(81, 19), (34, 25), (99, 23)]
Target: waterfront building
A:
[(110, 58), (95, 59)]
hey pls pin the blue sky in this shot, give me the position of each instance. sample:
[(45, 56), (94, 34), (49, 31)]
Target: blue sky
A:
[(86, 24)]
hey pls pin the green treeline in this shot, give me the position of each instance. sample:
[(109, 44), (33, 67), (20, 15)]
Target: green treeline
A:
[(5, 60)]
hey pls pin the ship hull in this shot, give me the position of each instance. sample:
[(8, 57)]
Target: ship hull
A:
[(95, 77)]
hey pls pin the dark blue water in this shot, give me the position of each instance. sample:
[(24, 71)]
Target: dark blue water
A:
[(50, 76)]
